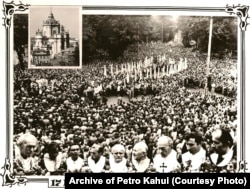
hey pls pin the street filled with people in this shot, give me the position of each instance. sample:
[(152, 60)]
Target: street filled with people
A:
[(178, 117)]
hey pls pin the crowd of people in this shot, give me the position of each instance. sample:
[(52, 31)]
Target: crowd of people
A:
[(62, 122)]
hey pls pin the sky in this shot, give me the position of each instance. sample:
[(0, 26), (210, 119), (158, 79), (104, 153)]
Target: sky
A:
[(69, 17)]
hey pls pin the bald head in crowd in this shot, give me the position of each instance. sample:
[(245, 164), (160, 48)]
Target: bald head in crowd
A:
[(140, 158), (27, 143), (118, 152), (140, 150), (222, 140), (164, 145), (164, 141), (141, 146), (96, 152), (118, 147)]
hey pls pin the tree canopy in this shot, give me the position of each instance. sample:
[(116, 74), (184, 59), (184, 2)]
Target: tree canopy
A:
[(20, 36), (110, 35), (197, 28)]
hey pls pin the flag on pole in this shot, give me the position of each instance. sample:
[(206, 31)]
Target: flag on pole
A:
[(116, 69), (105, 71), (185, 63), (111, 69), (150, 72), (127, 77), (163, 71)]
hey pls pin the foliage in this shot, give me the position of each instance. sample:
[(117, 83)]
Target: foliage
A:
[(20, 36), (196, 28), (20, 30), (112, 36), (108, 36)]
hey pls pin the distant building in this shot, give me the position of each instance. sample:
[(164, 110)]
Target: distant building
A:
[(50, 41)]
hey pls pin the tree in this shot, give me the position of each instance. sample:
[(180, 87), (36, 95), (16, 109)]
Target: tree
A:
[(76, 56), (20, 36), (88, 38), (197, 28), (113, 34)]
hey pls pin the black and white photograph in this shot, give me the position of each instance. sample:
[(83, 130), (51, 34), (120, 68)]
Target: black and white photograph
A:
[(54, 36), (96, 88)]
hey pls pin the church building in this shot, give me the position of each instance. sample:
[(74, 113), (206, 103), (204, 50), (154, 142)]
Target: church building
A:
[(50, 41)]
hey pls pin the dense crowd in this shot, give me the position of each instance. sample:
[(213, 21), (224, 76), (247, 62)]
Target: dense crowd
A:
[(67, 112)]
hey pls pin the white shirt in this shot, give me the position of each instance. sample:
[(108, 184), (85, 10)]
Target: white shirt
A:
[(96, 167), (27, 164), (196, 159), (142, 165), (226, 158), (74, 166), (52, 165), (120, 167), (170, 162)]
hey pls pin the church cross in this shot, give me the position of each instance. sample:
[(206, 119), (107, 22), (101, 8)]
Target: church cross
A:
[(163, 166)]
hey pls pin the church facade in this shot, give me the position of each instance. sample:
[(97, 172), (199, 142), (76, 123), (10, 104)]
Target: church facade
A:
[(49, 42)]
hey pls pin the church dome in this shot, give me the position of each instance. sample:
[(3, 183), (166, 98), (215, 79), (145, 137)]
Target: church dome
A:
[(51, 20)]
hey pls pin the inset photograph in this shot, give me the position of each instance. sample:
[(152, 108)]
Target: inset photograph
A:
[(54, 37)]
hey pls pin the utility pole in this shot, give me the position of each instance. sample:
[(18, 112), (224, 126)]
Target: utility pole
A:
[(209, 50), (138, 41), (209, 45)]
